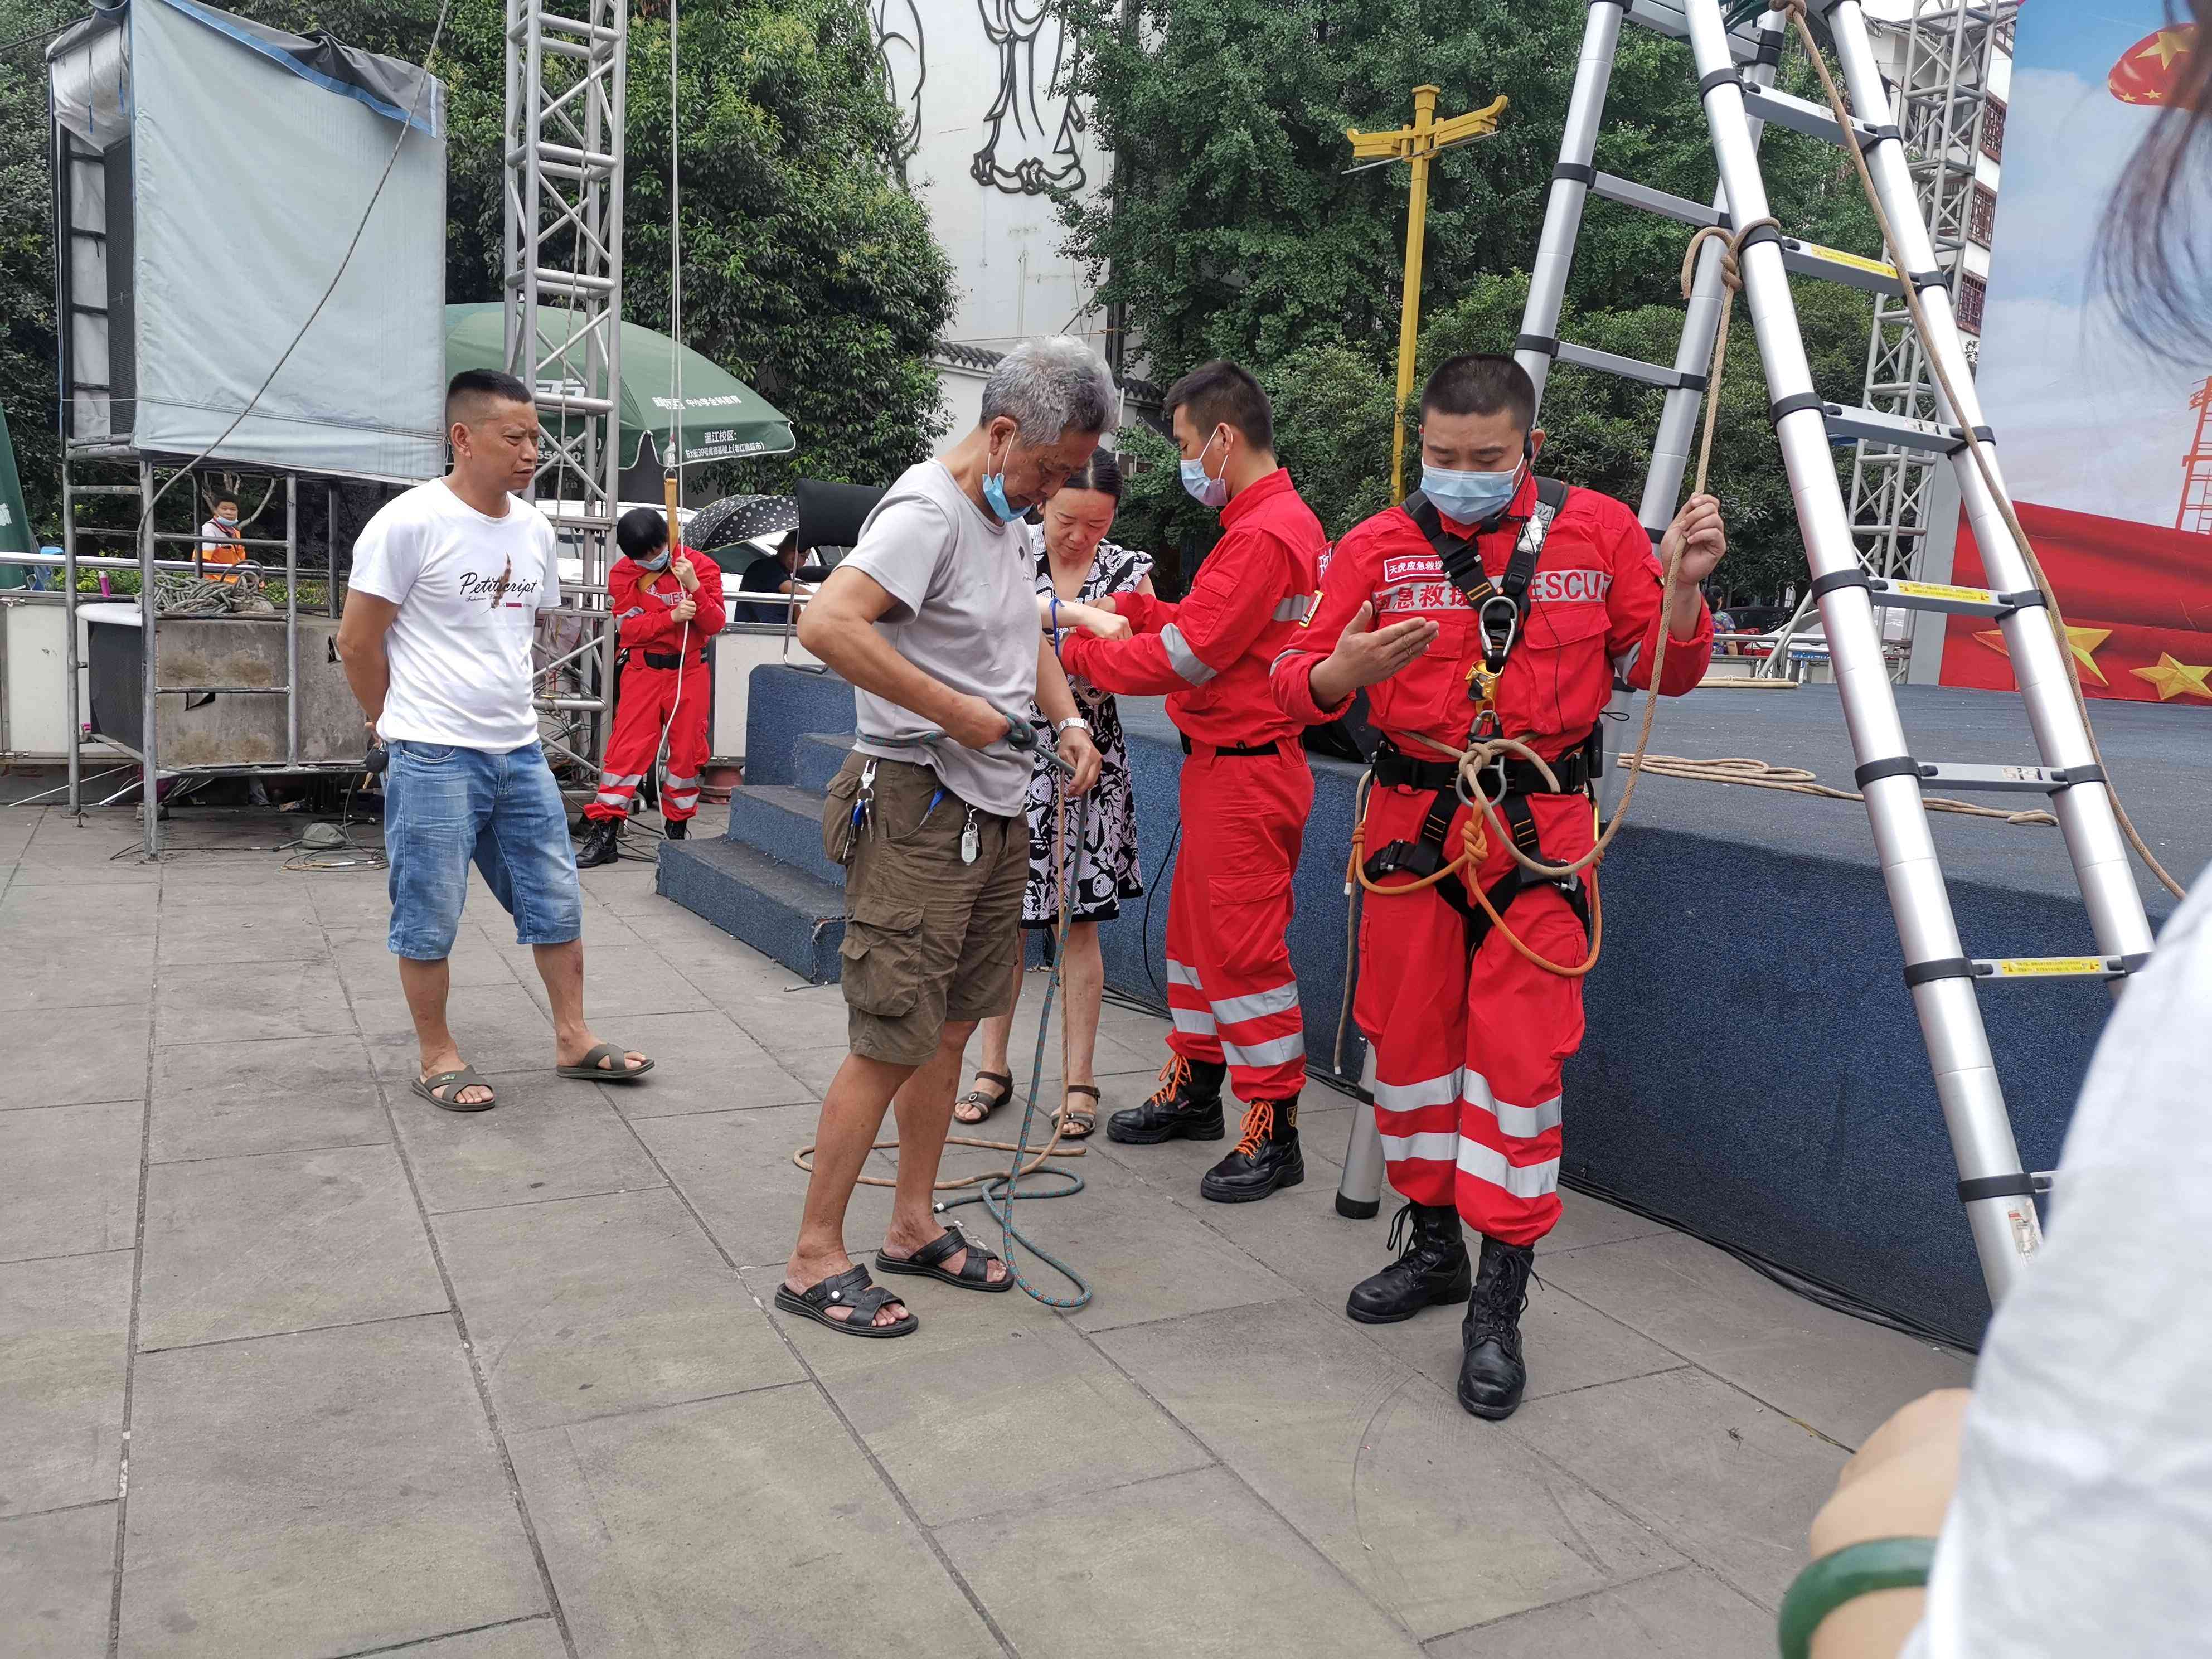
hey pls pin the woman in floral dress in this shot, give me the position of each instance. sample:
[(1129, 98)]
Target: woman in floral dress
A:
[(1077, 568)]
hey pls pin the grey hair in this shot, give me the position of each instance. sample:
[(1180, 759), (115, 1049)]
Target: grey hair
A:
[(1050, 386)]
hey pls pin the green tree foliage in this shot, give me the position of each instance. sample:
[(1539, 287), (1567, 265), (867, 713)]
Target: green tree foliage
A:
[(809, 270), (1229, 227)]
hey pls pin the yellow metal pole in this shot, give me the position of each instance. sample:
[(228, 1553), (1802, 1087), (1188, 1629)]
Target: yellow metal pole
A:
[(1409, 320)]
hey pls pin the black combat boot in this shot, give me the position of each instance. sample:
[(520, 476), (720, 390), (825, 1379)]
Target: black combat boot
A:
[(676, 829), (1266, 1156), (1492, 1374), (1432, 1270), (601, 843), (1186, 1106)]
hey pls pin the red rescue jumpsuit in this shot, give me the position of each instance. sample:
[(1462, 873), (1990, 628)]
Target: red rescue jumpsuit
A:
[(1230, 988), (655, 644), (1468, 1057)]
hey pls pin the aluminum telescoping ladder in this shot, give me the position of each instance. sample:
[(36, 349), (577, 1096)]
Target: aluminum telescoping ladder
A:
[(1735, 74)]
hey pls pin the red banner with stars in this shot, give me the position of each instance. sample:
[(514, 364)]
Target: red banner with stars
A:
[(2138, 599)]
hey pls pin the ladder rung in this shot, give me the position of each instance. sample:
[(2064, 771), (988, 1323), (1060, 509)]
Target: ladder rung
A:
[(1799, 115), (1940, 596), (1663, 18), (1847, 423), (1832, 264), (1629, 193), (2001, 780), (219, 690), (2054, 967), (1629, 368)]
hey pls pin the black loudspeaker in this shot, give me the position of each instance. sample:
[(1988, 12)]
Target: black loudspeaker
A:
[(831, 514)]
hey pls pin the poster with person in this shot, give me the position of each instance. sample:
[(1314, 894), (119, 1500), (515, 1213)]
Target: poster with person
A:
[(2106, 443)]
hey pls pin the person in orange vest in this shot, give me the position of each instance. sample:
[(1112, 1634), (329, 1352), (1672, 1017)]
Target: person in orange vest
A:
[(220, 543)]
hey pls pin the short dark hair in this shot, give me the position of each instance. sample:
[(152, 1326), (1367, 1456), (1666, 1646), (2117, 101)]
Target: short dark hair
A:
[(1220, 393), (1481, 383), (468, 392), (1102, 472), (640, 531)]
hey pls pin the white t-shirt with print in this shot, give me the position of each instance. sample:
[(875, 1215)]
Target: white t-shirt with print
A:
[(469, 588)]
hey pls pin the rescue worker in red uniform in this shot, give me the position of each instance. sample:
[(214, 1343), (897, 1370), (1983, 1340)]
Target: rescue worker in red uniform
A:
[(1245, 789), (669, 609), (1492, 603)]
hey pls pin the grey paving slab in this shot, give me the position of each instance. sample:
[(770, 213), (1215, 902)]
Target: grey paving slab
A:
[(1570, 1344), (735, 1528), (1190, 1566), (98, 1057), (694, 1052), (736, 1169), (626, 981), (1718, 1476), (1584, 1221), (815, 1068), (497, 1027), (1684, 1614), (317, 1493), (984, 1375), (71, 1180), (63, 1328), (281, 1242), (550, 1137), (257, 999), (75, 973), (216, 939), (591, 1305), (371, 972), (65, 869), (1441, 1520), (527, 1638), (279, 1095), (678, 1086), (784, 1022), (1839, 1374), (58, 1584)]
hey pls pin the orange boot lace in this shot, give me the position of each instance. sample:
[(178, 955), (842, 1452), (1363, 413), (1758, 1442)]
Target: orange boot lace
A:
[(1259, 1127), (1173, 1076)]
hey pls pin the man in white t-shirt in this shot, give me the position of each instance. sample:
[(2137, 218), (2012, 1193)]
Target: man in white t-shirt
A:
[(447, 582)]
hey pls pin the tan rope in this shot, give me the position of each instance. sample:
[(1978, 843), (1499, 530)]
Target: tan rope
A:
[(1840, 108)]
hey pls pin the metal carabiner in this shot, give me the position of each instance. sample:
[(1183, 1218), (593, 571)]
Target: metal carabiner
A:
[(1497, 646), (1495, 765)]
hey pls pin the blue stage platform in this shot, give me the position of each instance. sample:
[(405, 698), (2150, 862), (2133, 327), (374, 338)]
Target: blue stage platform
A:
[(1752, 1069)]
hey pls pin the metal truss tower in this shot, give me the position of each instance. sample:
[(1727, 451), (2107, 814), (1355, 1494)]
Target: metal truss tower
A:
[(566, 77), (1941, 94)]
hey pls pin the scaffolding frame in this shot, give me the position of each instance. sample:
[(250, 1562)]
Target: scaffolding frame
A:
[(562, 152), (1940, 96)]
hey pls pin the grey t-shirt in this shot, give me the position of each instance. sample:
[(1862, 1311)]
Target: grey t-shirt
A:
[(965, 614)]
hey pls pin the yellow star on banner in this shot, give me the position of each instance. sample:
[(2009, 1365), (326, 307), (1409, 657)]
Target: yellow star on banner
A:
[(2082, 641), (2170, 44), (2176, 679)]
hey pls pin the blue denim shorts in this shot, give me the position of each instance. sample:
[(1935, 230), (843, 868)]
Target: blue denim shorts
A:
[(444, 806)]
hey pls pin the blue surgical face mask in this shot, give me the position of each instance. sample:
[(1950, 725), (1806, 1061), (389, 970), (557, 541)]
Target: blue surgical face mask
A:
[(659, 562), (1205, 489), (1469, 497), (994, 492)]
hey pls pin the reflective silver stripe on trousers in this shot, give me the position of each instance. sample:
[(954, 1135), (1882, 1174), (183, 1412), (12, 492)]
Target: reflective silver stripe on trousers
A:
[(1196, 1022), (1231, 1010), (611, 797), (1624, 667), (1295, 608), (1181, 658), (1275, 1053), (1181, 973), (620, 780), (1522, 1120), (1521, 1180), (691, 782), (1413, 1096), (1441, 1145)]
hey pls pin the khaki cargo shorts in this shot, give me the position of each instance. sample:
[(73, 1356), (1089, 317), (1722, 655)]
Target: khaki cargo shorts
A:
[(928, 939)]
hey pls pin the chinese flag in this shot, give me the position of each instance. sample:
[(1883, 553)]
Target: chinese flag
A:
[(2148, 70)]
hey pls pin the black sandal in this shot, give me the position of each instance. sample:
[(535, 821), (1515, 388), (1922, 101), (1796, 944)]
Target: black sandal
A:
[(1076, 1122), (850, 1289), (977, 1097), (975, 1273)]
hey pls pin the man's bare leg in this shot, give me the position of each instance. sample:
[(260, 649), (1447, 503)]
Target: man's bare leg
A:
[(924, 1115), (425, 985), (852, 1113), (562, 968)]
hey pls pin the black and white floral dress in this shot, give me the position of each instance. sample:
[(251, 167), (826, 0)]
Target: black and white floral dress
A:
[(1106, 871)]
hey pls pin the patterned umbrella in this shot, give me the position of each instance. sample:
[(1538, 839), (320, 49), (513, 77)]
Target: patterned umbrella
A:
[(742, 519)]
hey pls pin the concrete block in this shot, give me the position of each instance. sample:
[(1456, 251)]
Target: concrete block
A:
[(99, 1056), (72, 1179), (254, 999), (64, 1325), (57, 1583), (548, 1138), (286, 1094)]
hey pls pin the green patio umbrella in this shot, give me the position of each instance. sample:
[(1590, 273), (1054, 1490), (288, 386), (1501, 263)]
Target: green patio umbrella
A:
[(723, 417), (14, 524)]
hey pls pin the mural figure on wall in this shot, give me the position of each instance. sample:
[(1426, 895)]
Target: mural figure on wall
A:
[(898, 38), (1028, 152)]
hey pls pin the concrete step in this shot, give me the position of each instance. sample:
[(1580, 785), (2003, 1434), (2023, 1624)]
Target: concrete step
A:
[(785, 824), (779, 911), (817, 756)]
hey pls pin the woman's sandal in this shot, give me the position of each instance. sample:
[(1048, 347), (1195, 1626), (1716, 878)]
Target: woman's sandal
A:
[(975, 1273), (850, 1289), (1076, 1122), (977, 1097)]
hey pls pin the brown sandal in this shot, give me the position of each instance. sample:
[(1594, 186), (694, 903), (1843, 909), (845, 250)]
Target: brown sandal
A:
[(1076, 1122), (977, 1097)]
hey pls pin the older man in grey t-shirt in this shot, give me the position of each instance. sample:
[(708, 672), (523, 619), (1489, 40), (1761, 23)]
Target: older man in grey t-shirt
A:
[(933, 619)]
